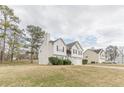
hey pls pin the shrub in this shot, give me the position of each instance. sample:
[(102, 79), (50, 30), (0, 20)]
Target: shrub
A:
[(103, 62), (66, 62), (53, 60), (60, 62), (92, 62), (84, 61), (106, 62), (57, 61)]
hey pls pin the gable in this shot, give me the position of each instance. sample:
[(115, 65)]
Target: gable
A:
[(88, 51), (96, 51), (59, 42), (101, 52), (59, 48), (76, 45), (120, 51)]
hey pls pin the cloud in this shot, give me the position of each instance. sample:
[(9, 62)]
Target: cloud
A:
[(93, 26)]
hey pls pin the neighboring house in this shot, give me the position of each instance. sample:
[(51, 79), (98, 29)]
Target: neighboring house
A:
[(58, 48), (120, 58), (94, 55)]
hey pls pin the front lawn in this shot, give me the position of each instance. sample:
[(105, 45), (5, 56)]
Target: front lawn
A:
[(38, 75)]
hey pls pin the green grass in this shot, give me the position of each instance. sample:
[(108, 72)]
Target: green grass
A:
[(27, 75)]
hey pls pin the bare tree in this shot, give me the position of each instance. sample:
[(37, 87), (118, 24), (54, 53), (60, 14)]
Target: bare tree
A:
[(111, 53)]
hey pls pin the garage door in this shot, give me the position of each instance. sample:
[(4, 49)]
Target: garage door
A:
[(77, 61)]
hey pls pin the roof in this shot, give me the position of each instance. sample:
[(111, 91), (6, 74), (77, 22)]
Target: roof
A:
[(96, 50), (70, 45), (51, 41), (57, 40)]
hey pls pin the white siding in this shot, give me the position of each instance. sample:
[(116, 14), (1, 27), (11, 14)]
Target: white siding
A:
[(76, 61), (76, 58), (49, 49), (45, 51), (101, 57), (77, 48), (120, 57), (60, 45)]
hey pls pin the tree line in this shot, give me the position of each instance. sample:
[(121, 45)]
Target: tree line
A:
[(14, 41)]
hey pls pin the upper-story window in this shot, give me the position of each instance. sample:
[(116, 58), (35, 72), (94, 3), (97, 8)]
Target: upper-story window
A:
[(60, 49), (63, 49), (102, 55), (57, 49), (74, 51), (79, 52)]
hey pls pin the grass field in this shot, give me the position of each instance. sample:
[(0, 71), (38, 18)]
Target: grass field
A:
[(117, 65), (59, 76)]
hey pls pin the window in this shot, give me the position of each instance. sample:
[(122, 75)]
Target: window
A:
[(74, 51), (63, 49), (79, 52), (57, 48), (60, 49)]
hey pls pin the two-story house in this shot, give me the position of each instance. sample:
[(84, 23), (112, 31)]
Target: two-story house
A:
[(75, 52), (58, 48), (94, 55)]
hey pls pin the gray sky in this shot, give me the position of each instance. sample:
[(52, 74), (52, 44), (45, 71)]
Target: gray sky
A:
[(93, 26)]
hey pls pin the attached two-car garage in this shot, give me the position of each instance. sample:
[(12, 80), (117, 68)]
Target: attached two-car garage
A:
[(76, 61)]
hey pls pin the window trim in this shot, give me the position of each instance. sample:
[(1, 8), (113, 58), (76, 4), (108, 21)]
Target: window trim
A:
[(75, 51)]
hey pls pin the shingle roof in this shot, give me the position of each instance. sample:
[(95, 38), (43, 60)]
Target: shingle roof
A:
[(57, 40), (68, 45), (71, 44), (96, 50)]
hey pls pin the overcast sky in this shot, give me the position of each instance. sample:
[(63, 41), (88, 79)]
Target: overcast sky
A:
[(92, 26)]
